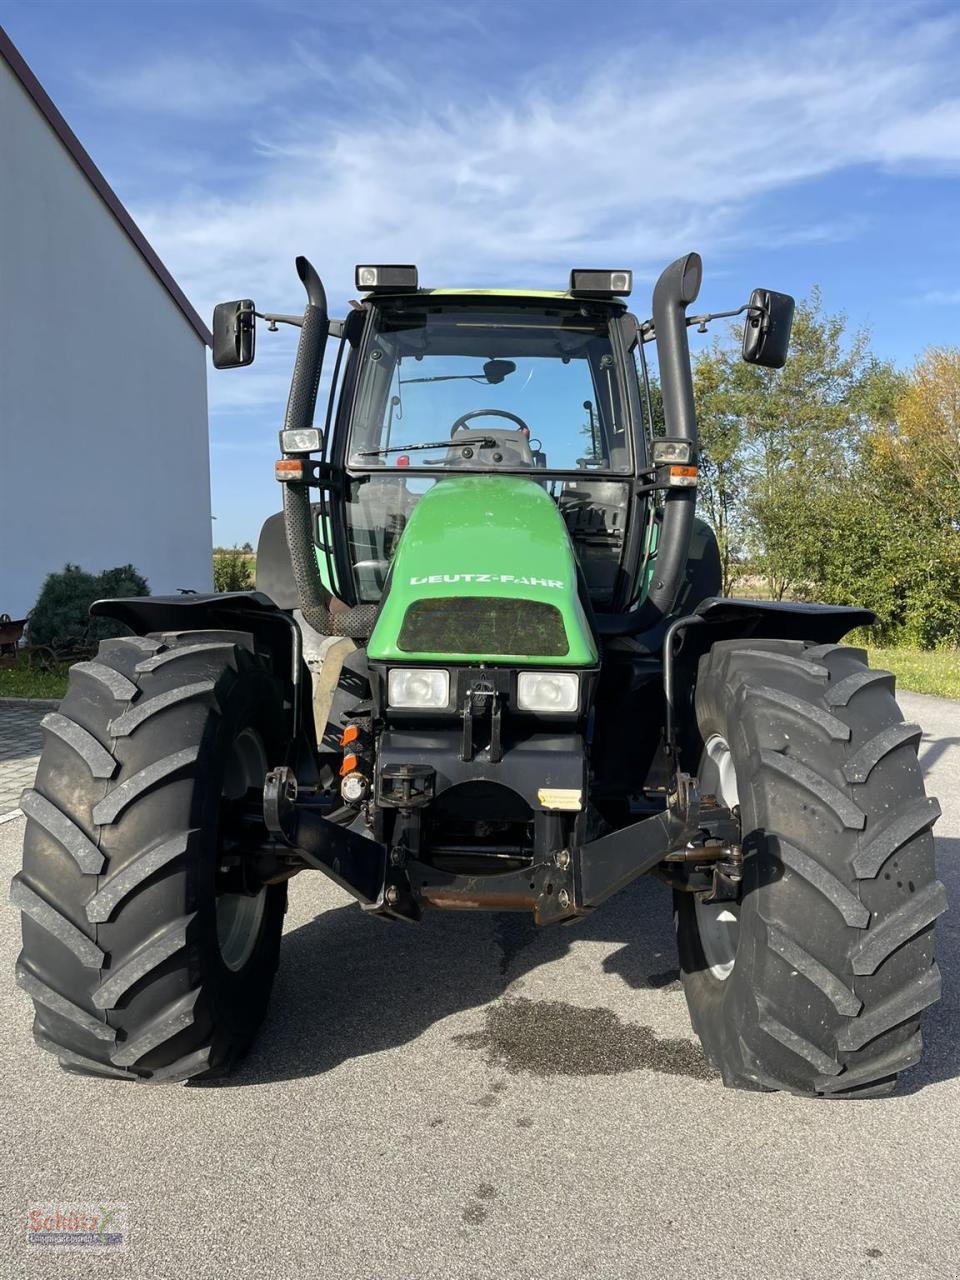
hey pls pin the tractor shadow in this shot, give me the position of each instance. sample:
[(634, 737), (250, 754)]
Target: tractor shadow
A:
[(933, 749), (941, 1024), (349, 985)]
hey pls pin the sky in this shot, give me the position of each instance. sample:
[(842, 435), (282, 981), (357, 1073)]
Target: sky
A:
[(500, 144)]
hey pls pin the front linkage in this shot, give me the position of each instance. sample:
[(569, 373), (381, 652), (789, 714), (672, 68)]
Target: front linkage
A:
[(693, 843)]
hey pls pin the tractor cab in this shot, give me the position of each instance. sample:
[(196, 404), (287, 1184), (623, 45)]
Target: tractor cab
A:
[(437, 383)]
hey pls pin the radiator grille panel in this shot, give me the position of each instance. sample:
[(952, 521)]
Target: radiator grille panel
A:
[(484, 625)]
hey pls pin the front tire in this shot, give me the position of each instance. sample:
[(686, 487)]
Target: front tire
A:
[(145, 957), (818, 985)]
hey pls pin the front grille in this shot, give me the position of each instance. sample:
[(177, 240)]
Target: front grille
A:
[(484, 625)]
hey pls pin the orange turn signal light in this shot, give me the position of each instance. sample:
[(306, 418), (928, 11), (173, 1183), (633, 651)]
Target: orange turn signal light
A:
[(682, 476), (289, 469)]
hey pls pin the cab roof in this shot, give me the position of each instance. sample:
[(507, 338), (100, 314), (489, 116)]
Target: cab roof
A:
[(534, 295)]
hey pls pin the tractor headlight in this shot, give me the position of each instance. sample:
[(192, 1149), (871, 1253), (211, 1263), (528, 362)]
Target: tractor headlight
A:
[(418, 688), (548, 691), (672, 451)]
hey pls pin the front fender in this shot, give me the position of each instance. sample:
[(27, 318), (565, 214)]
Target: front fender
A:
[(215, 611), (782, 619), (720, 618), (276, 634)]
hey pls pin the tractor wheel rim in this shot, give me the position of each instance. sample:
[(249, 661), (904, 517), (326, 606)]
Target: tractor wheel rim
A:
[(240, 915), (718, 923), (718, 749)]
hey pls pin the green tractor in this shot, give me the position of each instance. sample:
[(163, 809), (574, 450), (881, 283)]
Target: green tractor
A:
[(487, 666)]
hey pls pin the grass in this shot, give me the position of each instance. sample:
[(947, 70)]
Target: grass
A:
[(25, 681), (935, 671)]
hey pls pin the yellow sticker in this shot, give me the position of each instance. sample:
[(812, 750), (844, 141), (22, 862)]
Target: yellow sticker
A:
[(559, 798)]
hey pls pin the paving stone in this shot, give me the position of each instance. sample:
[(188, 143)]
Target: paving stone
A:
[(20, 741)]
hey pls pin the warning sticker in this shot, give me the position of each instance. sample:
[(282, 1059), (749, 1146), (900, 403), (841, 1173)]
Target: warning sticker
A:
[(560, 798)]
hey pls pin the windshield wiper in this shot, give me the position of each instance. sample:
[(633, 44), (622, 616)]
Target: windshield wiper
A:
[(444, 377), (485, 443)]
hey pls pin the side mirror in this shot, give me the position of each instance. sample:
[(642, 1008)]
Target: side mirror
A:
[(234, 334), (766, 332)]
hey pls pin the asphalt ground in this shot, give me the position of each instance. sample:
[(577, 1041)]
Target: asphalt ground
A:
[(476, 1098)]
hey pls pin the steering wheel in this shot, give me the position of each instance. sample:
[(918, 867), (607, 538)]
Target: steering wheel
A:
[(464, 418)]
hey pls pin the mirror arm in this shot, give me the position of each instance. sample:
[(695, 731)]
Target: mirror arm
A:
[(702, 321), (647, 332), (274, 320), (336, 326)]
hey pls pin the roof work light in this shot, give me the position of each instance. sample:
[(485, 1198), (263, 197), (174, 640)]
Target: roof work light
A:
[(386, 279), (609, 284)]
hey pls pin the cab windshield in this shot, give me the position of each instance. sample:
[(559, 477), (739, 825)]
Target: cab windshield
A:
[(493, 385), (488, 387)]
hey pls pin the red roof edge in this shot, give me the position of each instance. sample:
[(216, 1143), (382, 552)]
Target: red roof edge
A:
[(44, 104)]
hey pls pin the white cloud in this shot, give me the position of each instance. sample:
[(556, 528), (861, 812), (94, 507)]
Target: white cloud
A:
[(183, 86), (478, 191), (669, 148)]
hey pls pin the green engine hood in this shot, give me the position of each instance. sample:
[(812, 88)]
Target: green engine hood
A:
[(484, 565)]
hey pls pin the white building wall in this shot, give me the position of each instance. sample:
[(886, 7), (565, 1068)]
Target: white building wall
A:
[(103, 412)]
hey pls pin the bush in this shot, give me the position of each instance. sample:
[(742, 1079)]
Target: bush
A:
[(120, 582), (60, 620), (931, 619), (232, 570)]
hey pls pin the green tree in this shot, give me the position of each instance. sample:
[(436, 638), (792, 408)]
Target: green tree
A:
[(232, 570), (60, 620), (922, 444), (774, 440), (722, 460), (838, 477), (914, 464)]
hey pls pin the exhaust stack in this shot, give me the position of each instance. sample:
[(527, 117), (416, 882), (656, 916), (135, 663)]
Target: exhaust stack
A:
[(677, 287), (297, 515)]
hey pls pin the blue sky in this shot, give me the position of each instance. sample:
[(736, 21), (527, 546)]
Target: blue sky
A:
[(501, 143)]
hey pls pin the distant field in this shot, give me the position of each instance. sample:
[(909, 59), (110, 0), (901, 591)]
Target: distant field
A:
[(751, 588)]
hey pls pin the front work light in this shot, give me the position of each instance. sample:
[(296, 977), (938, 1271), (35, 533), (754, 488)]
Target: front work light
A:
[(301, 440), (386, 279), (604, 283), (672, 451), (548, 691), (417, 688)]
